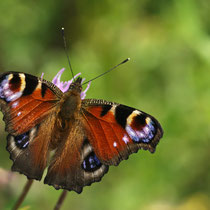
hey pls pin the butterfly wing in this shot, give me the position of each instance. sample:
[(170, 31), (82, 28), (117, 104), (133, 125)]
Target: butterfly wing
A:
[(28, 104), (29, 151), (116, 131), (74, 164), (25, 100)]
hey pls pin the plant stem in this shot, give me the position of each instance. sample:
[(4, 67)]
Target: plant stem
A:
[(23, 194), (60, 200)]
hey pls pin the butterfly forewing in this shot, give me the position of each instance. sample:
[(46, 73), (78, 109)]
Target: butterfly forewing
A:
[(25, 101), (117, 130)]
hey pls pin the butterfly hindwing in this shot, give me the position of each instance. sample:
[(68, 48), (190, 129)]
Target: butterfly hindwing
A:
[(116, 130), (74, 164), (29, 151)]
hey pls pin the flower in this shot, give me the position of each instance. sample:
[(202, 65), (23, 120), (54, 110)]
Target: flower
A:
[(64, 86)]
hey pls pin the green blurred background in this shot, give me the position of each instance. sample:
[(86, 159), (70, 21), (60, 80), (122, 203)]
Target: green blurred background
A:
[(168, 76)]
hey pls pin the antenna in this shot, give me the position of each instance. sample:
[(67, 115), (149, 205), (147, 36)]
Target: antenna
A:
[(107, 71), (66, 51)]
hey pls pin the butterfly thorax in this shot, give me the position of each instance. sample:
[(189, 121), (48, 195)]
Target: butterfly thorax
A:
[(71, 101)]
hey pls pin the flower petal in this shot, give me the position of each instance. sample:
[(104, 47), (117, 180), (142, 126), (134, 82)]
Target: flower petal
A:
[(64, 86), (56, 79), (83, 93)]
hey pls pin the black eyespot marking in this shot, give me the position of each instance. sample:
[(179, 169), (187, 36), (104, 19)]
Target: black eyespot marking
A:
[(15, 79), (105, 109), (121, 114), (22, 140), (86, 142), (140, 119), (91, 163), (31, 84), (43, 89)]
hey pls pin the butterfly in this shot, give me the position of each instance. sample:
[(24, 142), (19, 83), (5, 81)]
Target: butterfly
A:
[(76, 139)]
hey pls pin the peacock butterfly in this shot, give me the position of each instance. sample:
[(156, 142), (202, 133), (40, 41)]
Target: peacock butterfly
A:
[(86, 136)]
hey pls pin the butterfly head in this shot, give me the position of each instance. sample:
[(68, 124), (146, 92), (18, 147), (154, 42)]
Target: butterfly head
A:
[(77, 85)]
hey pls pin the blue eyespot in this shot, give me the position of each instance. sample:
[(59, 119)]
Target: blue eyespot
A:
[(91, 163), (22, 140), (145, 135)]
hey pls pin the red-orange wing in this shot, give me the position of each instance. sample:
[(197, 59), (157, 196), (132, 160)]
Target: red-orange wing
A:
[(115, 131), (25, 100)]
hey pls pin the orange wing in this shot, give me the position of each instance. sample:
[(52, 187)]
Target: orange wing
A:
[(116, 131), (25, 100)]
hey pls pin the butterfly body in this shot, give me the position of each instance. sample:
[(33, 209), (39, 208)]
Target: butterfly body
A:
[(85, 136)]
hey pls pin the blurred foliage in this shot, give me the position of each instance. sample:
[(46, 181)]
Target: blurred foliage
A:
[(168, 76)]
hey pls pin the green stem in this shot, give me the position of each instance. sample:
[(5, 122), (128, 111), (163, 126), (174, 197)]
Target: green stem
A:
[(23, 194), (60, 200)]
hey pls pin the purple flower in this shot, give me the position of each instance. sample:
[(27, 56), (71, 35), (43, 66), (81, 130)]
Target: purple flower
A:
[(64, 86)]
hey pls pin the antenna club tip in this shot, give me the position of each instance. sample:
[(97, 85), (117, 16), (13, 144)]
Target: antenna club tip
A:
[(128, 59), (62, 28)]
